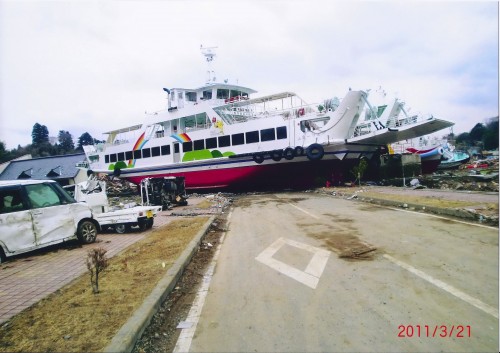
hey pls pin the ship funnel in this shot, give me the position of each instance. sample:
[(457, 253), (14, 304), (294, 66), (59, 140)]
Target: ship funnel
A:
[(345, 118)]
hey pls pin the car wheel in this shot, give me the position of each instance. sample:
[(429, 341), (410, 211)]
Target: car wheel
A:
[(87, 232), (122, 228)]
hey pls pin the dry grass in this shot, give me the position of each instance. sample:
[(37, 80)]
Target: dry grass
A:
[(426, 201), (75, 320)]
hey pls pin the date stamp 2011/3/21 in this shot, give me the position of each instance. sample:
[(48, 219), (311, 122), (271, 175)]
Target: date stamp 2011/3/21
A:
[(442, 331)]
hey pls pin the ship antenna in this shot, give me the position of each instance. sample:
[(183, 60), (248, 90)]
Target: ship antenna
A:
[(209, 54)]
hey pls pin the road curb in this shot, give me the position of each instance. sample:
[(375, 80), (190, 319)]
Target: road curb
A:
[(131, 331), (451, 212)]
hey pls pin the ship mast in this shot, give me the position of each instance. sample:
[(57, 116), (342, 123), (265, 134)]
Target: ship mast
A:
[(209, 54)]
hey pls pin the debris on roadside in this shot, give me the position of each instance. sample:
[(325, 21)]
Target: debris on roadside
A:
[(358, 254)]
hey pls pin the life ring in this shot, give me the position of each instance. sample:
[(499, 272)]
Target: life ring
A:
[(289, 153), (258, 158), (315, 152), (276, 155), (301, 111), (298, 151)]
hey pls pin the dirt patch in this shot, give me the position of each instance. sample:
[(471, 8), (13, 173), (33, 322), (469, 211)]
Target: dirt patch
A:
[(341, 238), (161, 335), (74, 320), (347, 246)]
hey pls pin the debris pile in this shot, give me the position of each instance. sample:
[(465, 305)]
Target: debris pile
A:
[(478, 175), (121, 193), (219, 202), (119, 187)]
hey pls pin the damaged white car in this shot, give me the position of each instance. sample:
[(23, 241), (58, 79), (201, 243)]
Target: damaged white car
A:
[(39, 213)]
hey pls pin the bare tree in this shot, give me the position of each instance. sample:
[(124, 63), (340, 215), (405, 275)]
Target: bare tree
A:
[(96, 263)]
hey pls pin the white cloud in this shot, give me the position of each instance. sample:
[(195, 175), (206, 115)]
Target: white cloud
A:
[(96, 66)]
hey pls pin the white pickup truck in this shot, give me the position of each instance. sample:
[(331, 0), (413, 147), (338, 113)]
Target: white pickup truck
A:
[(93, 192)]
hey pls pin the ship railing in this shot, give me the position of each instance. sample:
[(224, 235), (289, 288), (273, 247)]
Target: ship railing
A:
[(242, 114)]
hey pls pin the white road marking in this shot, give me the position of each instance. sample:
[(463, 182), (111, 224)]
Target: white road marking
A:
[(440, 217), (300, 209), (446, 287), (310, 277), (186, 336)]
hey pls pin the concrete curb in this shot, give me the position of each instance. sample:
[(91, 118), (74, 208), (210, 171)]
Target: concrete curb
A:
[(131, 331), (450, 212)]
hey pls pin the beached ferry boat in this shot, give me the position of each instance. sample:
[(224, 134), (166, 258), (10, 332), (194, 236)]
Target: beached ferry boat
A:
[(217, 136)]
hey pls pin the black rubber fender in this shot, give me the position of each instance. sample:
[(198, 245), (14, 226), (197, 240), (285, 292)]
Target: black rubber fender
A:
[(315, 152), (289, 153), (298, 151), (258, 158), (276, 155)]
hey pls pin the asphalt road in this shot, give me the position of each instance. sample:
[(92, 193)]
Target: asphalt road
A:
[(289, 278)]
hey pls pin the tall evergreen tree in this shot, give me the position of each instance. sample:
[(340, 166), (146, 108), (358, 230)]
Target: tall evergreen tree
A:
[(39, 134), (85, 139), (66, 143)]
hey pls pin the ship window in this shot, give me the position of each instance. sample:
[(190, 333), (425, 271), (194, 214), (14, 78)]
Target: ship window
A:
[(155, 151), (199, 145), (202, 121), (189, 122), (281, 133), (106, 158), (238, 139), (112, 158), (224, 141), (137, 154), (191, 96), (121, 156), (211, 142), (252, 136), (222, 93), (146, 153), (207, 94), (267, 135), (165, 150), (176, 148), (187, 146), (129, 155)]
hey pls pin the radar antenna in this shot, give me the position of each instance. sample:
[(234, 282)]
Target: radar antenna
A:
[(209, 54)]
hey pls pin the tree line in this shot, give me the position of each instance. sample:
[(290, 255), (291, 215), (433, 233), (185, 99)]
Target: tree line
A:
[(481, 135), (41, 147)]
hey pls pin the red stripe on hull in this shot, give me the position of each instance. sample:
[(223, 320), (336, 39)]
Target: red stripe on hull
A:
[(282, 175)]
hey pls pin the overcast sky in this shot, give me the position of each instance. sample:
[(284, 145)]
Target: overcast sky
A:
[(92, 67)]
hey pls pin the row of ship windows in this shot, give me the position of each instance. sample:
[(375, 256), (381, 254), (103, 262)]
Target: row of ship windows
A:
[(196, 145)]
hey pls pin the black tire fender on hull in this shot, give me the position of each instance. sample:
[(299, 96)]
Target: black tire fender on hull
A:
[(315, 152), (289, 153), (258, 158), (298, 151), (276, 155)]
